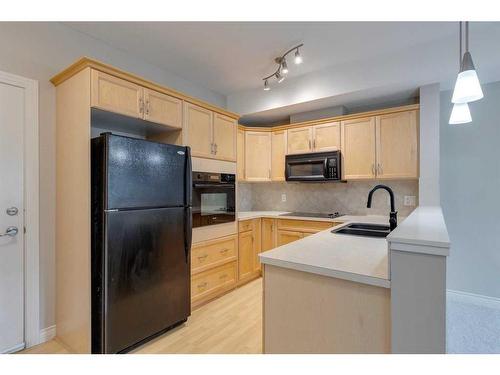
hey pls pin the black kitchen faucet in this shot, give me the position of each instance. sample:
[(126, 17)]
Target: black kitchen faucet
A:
[(393, 216)]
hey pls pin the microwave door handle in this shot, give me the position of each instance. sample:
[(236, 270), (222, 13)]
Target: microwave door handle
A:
[(325, 168)]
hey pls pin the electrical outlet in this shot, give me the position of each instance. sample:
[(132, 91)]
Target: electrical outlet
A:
[(283, 197), (410, 200)]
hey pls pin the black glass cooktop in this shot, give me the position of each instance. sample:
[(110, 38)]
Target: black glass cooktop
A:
[(313, 214)]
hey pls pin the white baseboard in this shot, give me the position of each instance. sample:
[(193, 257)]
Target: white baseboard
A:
[(47, 334), (475, 299)]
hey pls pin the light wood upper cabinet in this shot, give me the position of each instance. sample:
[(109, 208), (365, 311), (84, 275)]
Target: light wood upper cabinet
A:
[(326, 137), (278, 151), (198, 126), (162, 109), (358, 148), (299, 140), (240, 155), (116, 95), (224, 137), (397, 145), (257, 156)]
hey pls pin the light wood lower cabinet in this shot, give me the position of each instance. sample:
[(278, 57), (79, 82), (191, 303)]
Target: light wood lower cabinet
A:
[(287, 236), (209, 284), (213, 268), (290, 230), (269, 229), (249, 247)]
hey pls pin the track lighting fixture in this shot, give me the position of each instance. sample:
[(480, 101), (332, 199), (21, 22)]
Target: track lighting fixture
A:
[(298, 58), (467, 87), (282, 69)]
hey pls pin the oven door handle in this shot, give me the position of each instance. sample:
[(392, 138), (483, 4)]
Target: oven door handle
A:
[(214, 185)]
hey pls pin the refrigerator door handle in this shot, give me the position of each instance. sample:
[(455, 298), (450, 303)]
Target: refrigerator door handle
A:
[(188, 231), (188, 175)]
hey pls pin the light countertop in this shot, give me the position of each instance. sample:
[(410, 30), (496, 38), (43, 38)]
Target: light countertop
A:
[(424, 231), (354, 258)]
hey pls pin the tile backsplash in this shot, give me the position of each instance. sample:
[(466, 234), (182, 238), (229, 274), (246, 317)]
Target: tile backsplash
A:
[(346, 198)]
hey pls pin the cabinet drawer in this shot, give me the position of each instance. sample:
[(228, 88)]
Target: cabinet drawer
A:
[(304, 225), (245, 225), (210, 253), (208, 282)]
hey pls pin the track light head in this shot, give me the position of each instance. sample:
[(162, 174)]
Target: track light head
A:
[(279, 77), (298, 57), (266, 86), (284, 67)]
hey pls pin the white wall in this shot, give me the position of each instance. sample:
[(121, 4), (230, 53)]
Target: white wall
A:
[(429, 145), (39, 51), (470, 194)]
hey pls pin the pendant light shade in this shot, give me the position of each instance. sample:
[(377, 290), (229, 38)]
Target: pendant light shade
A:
[(460, 114), (467, 87)]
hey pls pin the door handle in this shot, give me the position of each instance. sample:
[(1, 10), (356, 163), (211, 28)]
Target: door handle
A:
[(10, 232), (12, 211)]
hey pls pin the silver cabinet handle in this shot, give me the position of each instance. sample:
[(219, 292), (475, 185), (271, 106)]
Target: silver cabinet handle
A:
[(215, 145), (379, 168), (309, 144), (212, 148), (314, 144), (10, 232), (141, 106), (147, 107), (12, 211), (373, 169)]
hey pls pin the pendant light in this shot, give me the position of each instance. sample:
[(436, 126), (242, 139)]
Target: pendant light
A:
[(460, 114), (467, 87)]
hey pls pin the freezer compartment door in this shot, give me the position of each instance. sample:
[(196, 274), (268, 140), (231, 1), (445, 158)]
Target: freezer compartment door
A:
[(144, 174), (147, 274)]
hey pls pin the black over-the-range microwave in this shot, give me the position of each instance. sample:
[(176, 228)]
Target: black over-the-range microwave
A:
[(319, 166)]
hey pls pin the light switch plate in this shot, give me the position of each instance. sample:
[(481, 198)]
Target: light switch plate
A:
[(410, 200), (283, 197)]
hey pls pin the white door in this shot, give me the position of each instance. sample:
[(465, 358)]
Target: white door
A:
[(12, 112)]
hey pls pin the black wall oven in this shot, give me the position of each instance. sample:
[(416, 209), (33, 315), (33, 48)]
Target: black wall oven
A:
[(214, 196), (319, 166)]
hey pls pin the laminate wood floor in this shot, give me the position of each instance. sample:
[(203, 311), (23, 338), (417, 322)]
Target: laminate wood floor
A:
[(231, 324)]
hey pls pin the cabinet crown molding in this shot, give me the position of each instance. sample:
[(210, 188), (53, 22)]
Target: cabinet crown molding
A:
[(86, 62)]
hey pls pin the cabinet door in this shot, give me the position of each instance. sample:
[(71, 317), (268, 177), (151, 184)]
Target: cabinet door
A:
[(299, 140), (287, 236), (162, 109), (268, 241), (257, 246), (358, 148), (245, 254), (116, 95), (397, 145), (240, 155), (198, 127), (258, 156), (278, 150), (224, 137), (326, 137)]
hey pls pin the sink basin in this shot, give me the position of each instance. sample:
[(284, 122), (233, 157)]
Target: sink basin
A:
[(367, 230)]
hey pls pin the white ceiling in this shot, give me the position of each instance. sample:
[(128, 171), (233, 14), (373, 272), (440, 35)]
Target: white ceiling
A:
[(231, 58)]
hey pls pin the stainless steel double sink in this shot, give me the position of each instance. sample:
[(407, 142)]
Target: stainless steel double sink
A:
[(367, 230)]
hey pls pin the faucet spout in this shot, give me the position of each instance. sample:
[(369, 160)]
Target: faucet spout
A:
[(393, 221)]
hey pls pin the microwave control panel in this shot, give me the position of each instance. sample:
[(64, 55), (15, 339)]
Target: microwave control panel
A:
[(332, 168)]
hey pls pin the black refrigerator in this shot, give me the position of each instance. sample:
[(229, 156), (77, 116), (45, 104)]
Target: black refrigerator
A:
[(141, 240)]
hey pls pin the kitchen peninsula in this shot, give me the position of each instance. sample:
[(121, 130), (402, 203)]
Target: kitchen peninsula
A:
[(336, 293)]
